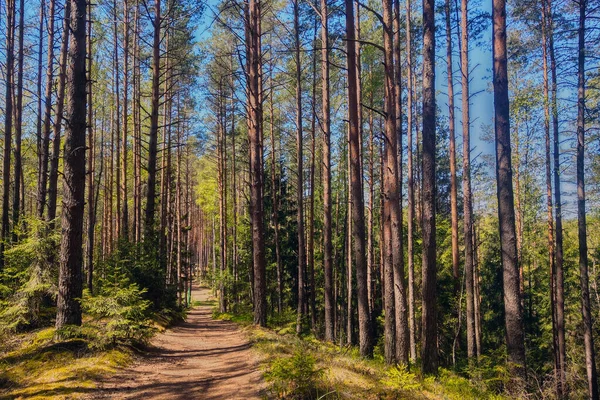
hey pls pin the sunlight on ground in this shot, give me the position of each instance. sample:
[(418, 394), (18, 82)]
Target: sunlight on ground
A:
[(39, 368)]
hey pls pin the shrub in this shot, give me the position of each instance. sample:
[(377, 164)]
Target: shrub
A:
[(119, 316), (295, 377), (399, 378)]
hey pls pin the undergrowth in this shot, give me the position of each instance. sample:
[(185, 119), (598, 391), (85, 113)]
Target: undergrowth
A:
[(307, 368)]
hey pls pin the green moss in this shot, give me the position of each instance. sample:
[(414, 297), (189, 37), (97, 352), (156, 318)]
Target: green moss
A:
[(40, 368)]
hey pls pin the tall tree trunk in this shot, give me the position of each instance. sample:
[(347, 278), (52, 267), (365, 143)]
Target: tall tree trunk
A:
[(402, 341), (429, 352), (70, 280), (58, 120), (453, 188), (549, 206), (117, 120), (358, 212), (411, 190), (390, 186), (370, 209), (16, 211), (137, 156), (588, 338), (506, 210), (153, 136), (467, 195), (452, 150), (123, 188), (275, 200), (222, 167), (234, 192), (326, 124), (39, 92), (311, 207), (8, 125), (255, 126), (91, 218), (560, 297), (299, 171)]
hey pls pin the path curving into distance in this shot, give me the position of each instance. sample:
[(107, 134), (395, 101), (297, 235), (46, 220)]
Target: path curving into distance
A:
[(200, 358)]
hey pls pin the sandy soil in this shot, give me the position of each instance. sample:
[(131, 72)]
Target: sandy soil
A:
[(198, 359)]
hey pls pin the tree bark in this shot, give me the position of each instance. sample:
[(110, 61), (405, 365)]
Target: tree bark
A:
[(506, 210), (411, 190), (91, 217), (391, 202), (16, 211), (8, 125), (358, 217), (560, 297), (467, 195), (255, 126), (153, 135), (71, 254), (40, 94), (124, 139), (588, 338), (326, 126), (58, 120), (299, 172), (429, 352), (402, 341)]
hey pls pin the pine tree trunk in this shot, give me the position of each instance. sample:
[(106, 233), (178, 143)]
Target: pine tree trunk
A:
[(91, 217), (327, 230), (411, 190), (39, 92), (255, 126), (58, 119), (16, 211), (137, 157), (124, 177), (429, 352), (8, 126), (358, 217), (560, 297), (390, 182), (299, 172), (588, 338), (117, 121), (153, 135), (70, 280), (506, 212), (402, 341), (467, 195), (311, 207)]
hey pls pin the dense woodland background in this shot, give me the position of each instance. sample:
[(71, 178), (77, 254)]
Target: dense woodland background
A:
[(316, 163)]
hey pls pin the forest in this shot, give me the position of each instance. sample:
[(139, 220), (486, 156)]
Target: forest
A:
[(394, 192)]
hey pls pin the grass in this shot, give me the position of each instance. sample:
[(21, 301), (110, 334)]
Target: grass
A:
[(342, 373), (38, 367), (35, 365)]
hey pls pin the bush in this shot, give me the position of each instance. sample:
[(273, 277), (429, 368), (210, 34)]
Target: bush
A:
[(399, 378), (29, 279), (295, 377), (119, 316)]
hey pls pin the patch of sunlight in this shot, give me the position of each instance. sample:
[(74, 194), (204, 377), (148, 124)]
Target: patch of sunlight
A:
[(41, 368)]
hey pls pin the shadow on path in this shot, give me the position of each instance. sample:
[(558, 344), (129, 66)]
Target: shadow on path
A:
[(200, 358)]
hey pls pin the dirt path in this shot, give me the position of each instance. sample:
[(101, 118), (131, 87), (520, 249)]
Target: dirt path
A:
[(198, 359)]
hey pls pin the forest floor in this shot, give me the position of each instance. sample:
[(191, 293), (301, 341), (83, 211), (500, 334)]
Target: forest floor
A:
[(199, 358)]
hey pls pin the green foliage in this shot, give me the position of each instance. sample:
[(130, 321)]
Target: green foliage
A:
[(400, 378), (295, 377), (29, 278), (119, 316)]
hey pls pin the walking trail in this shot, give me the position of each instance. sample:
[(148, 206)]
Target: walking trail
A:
[(200, 358)]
